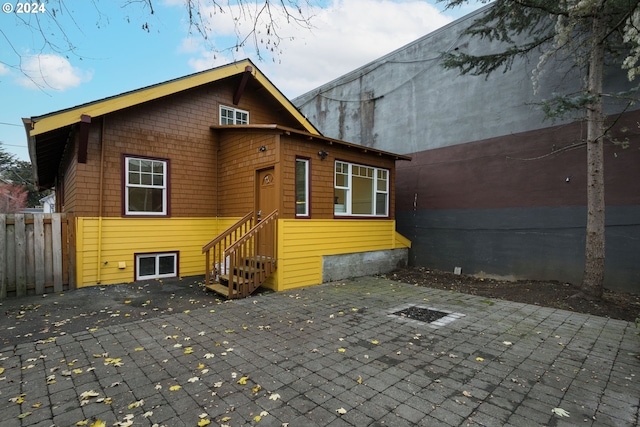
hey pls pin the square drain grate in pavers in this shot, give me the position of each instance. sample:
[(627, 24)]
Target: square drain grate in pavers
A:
[(424, 315)]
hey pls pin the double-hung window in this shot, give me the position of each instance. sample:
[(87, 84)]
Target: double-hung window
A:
[(302, 187), (360, 190), (233, 116), (146, 186)]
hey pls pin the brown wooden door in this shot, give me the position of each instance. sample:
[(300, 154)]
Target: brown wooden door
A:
[(267, 202), (267, 198)]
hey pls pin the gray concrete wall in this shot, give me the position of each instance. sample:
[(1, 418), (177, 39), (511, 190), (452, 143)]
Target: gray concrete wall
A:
[(405, 102), (545, 243), (338, 267)]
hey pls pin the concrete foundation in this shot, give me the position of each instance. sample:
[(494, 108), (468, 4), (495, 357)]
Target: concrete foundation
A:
[(338, 267)]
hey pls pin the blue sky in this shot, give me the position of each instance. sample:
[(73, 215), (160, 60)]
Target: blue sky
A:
[(111, 53)]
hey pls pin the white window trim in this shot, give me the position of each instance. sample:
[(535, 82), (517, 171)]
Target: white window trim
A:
[(306, 189), (127, 185), (234, 111), (157, 256), (349, 189)]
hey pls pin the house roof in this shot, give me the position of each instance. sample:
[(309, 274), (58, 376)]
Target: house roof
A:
[(48, 134), (311, 136)]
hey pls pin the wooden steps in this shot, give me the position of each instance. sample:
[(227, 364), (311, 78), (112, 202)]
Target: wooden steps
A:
[(220, 289)]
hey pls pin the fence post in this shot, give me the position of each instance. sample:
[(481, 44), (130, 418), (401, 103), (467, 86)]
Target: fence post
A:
[(71, 249), (3, 256), (56, 241), (38, 247), (21, 255)]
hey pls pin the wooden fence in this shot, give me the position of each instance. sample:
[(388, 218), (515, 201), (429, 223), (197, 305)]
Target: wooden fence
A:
[(37, 254)]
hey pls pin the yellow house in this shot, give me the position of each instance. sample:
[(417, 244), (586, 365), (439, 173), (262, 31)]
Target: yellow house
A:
[(215, 173)]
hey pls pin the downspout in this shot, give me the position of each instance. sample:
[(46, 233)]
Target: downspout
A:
[(100, 207)]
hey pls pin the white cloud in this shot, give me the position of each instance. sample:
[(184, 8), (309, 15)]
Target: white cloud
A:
[(49, 71), (346, 35), (3, 70)]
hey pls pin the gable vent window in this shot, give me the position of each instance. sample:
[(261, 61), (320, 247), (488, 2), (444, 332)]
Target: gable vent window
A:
[(233, 116)]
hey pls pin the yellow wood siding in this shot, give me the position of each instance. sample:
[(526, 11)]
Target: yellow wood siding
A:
[(303, 243), (121, 238)]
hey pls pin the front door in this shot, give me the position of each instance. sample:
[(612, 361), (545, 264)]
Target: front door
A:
[(267, 202), (267, 199)]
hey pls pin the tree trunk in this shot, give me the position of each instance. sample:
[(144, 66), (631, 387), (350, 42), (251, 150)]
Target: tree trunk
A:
[(593, 280)]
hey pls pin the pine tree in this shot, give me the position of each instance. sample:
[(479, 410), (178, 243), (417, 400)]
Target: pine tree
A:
[(592, 34)]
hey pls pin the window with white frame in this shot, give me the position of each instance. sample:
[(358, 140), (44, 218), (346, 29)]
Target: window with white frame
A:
[(156, 266), (146, 186), (360, 190), (302, 187), (233, 116)]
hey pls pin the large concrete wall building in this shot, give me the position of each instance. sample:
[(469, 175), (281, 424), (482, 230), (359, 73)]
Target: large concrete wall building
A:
[(493, 187)]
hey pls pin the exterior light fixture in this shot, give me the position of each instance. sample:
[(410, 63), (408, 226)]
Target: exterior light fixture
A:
[(323, 154)]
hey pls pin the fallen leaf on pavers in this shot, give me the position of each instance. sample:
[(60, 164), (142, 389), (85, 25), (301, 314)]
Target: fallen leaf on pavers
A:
[(1, 371), (204, 371), (158, 387), (82, 423), (18, 399), (218, 384), (453, 356), (77, 371), (229, 331), (36, 405), (178, 345), (201, 333), (204, 422), (359, 380), (257, 418), (243, 380), (507, 343), (225, 419), (560, 412), (136, 404), (479, 359), (188, 350), (274, 396), (113, 361), (51, 379), (115, 384), (209, 355), (138, 349), (257, 388), (98, 423), (341, 411), (466, 394), (193, 379), (342, 350), (340, 339), (147, 414), (175, 387), (376, 342), (234, 375), (24, 415), (66, 373), (128, 421)]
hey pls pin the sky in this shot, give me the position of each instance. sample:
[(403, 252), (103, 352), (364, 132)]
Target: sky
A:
[(95, 49)]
